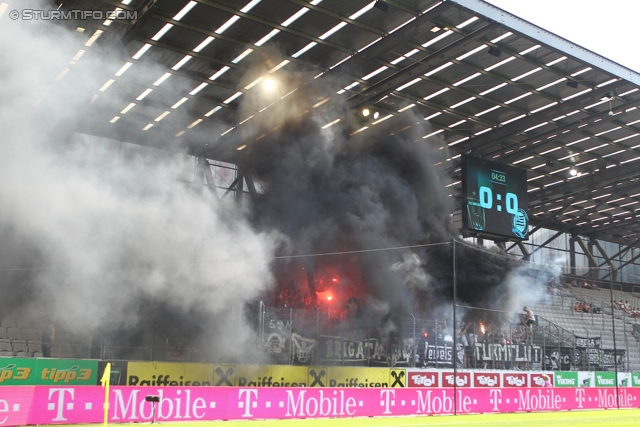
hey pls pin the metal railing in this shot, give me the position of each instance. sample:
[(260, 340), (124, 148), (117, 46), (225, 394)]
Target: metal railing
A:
[(419, 342)]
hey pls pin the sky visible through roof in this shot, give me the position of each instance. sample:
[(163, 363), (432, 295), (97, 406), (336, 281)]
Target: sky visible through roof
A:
[(606, 28)]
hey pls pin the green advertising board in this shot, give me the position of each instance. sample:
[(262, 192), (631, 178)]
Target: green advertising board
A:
[(566, 379), (67, 372), (42, 371), (635, 379), (605, 379), (18, 371)]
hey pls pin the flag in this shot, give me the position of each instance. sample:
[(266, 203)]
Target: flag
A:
[(106, 375)]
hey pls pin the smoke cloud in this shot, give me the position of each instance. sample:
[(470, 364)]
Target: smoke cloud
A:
[(379, 195), (100, 235)]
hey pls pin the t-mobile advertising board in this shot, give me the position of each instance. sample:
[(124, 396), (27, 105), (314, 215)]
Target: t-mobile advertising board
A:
[(84, 404)]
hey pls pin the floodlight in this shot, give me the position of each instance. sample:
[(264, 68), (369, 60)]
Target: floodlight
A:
[(382, 5), (608, 96), (573, 172), (494, 51), (366, 112), (269, 84)]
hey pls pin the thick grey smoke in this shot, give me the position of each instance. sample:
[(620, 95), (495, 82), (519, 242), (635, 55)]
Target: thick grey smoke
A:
[(330, 191), (97, 233)]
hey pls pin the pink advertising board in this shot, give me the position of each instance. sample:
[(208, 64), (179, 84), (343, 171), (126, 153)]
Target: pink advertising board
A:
[(15, 402), (83, 404)]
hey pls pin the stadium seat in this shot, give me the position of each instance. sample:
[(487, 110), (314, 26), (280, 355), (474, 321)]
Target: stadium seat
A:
[(30, 334), (20, 347), (8, 322), (6, 353), (14, 333), (3, 332), (6, 346), (34, 347), (23, 322), (23, 354)]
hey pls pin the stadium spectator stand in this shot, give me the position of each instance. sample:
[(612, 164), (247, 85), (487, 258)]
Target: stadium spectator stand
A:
[(561, 311), (556, 313)]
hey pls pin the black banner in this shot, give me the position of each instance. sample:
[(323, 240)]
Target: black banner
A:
[(490, 352), (365, 352), (440, 355), (609, 357), (561, 358), (303, 350), (276, 338), (566, 358), (593, 342)]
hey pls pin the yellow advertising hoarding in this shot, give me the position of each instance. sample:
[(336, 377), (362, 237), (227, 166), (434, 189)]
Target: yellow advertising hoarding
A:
[(225, 375), (169, 374), (272, 376), (338, 376), (195, 374)]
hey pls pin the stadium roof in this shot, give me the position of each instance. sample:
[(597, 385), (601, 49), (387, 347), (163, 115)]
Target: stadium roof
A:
[(487, 82)]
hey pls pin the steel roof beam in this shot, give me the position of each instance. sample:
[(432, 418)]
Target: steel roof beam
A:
[(487, 140), (382, 88), (587, 252), (555, 42), (390, 41), (599, 180), (570, 126), (274, 25), (332, 13), (623, 265)]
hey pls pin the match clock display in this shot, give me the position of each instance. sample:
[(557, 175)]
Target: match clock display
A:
[(494, 198)]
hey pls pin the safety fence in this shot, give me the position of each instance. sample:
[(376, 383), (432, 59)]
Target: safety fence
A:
[(496, 340)]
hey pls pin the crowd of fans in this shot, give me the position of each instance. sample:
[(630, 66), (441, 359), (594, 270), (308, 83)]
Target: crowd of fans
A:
[(626, 307), (563, 289), (582, 306), (346, 317)]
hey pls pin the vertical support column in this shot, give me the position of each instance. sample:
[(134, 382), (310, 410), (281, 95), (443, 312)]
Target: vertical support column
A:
[(251, 186), (415, 343), (613, 329), (198, 175), (239, 185), (261, 331), (587, 251), (572, 254), (593, 271), (455, 331), (310, 270), (203, 173), (607, 259), (525, 253)]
